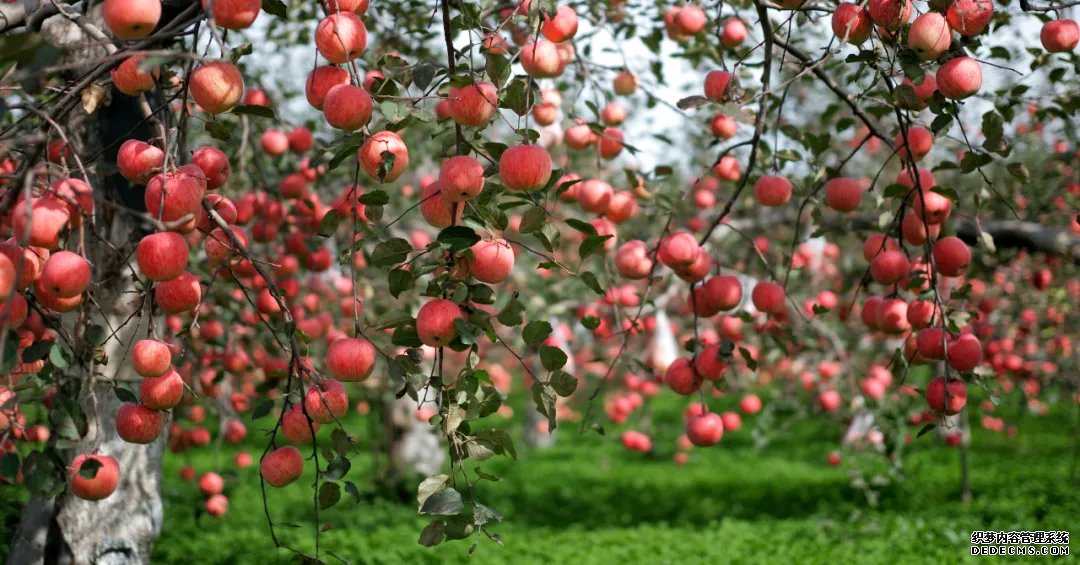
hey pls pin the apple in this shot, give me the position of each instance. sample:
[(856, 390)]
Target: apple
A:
[(256, 97), (622, 207), (750, 404), (709, 364), (727, 168), (594, 195), (341, 37), (579, 136), (300, 140), (951, 256), (959, 78), (956, 396), (632, 260), (852, 23), (930, 343), (716, 85), (525, 167), (772, 191), (350, 359), (562, 26), (216, 87), (66, 274), (358, 7), (723, 126), (435, 322), (173, 196), (491, 260), (162, 393), (282, 466), (214, 165), (131, 19), (540, 59), (93, 476), (296, 427), (461, 178), (625, 83), (970, 17), (178, 295), (611, 143), (613, 114), (919, 143), (722, 293), (768, 297), (374, 161), (234, 14), (274, 142), (545, 113), (891, 316), (319, 82), (829, 400), (929, 36), (48, 219), (217, 505), (326, 401), (136, 423), (843, 194), (921, 313), (128, 78), (890, 267), (965, 352), (137, 160), (347, 107), (211, 483), (731, 420), (890, 14), (691, 19), (436, 209), (682, 378), (162, 256), (474, 105), (679, 250), (1060, 36), (705, 430)]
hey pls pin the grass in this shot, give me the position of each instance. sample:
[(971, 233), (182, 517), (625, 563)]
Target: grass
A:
[(589, 501)]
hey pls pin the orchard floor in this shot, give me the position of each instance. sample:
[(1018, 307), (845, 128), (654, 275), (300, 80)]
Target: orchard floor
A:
[(589, 501)]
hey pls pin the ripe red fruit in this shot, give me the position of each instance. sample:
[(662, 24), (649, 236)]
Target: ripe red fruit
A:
[(350, 359), (282, 466), (347, 107), (734, 33), (750, 404), (723, 126), (930, 343), (214, 165), (768, 297), (1060, 36), (682, 378), (709, 364), (491, 260), (461, 178), (326, 401), (150, 358), (625, 83), (892, 316), (128, 78), (65, 274), (929, 36), (178, 295), (970, 17), (919, 143), (772, 191), (843, 194), (732, 421), (162, 256), (525, 167), (829, 400), (216, 87), (295, 426), (541, 59), (235, 14), (99, 478), (474, 105), (965, 352), (136, 423), (722, 293), (435, 322), (138, 159), (622, 207), (48, 218), (705, 430), (613, 114), (341, 37), (833, 459), (131, 19), (716, 85), (679, 250), (890, 14), (611, 143), (562, 26), (951, 256), (890, 267), (173, 196), (632, 260), (320, 81), (358, 7), (959, 78), (921, 313), (162, 393), (211, 483), (933, 207), (217, 505), (375, 164), (936, 396), (300, 140), (915, 231), (436, 210), (274, 142), (594, 195), (851, 23)]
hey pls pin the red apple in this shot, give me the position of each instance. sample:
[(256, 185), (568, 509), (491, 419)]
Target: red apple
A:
[(282, 466), (350, 359), (93, 476), (216, 87), (435, 322)]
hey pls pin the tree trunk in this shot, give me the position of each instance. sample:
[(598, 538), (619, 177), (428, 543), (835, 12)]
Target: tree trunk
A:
[(122, 528)]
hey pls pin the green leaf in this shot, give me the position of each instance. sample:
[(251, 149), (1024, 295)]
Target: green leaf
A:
[(400, 280), (535, 332), (374, 198), (501, 441), (275, 8), (329, 495), (581, 226), (391, 252), (532, 219), (255, 110), (563, 383), (262, 409), (37, 351), (445, 502), (552, 358), (590, 281), (750, 363), (592, 244), (432, 534), (423, 74), (457, 238), (498, 68), (511, 313), (89, 468), (219, 130), (125, 394), (544, 398), (925, 429), (329, 223)]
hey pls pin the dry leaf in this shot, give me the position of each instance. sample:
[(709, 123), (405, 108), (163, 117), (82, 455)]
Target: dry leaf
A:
[(92, 98)]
